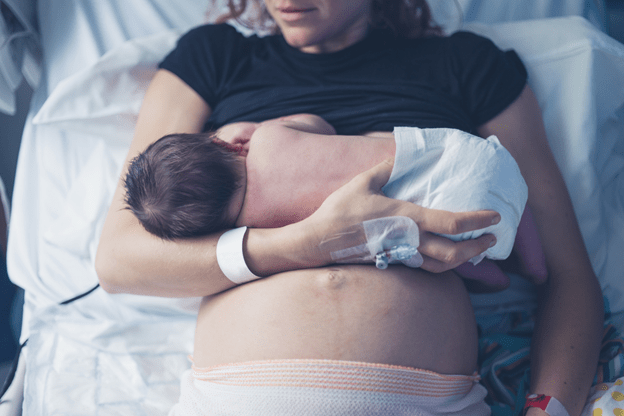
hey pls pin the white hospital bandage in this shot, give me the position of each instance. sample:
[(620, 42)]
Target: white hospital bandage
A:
[(380, 241), (230, 256)]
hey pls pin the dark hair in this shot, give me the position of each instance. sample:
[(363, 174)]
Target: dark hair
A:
[(405, 18), (182, 185)]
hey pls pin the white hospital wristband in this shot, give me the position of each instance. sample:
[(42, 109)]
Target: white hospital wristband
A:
[(230, 256)]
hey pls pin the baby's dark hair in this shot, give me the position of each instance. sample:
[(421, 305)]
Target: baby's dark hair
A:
[(182, 185)]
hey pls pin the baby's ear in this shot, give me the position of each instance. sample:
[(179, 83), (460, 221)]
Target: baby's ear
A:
[(241, 140), (244, 146)]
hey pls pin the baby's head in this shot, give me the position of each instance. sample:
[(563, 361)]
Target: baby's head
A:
[(188, 185), (183, 185)]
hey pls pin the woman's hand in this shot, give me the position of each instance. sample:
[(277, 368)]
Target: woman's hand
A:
[(361, 199)]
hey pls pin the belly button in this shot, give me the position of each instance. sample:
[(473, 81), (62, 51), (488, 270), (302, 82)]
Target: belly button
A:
[(332, 279)]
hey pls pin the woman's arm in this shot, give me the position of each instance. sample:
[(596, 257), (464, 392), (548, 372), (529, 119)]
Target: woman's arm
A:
[(570, 315), (130, 260), (128, 257)]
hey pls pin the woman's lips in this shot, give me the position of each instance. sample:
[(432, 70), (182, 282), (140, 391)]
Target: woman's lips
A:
[(291, 14)]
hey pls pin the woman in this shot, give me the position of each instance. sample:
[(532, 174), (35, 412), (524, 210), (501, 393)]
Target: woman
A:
[(316, 34)]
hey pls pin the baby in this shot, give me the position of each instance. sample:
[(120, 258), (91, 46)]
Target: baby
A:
[(187, 185), (280, 171)]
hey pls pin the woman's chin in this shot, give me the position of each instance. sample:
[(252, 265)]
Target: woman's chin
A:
[(301, 38)]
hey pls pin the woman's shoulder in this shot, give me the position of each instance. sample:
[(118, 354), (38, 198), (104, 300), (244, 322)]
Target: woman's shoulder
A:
[(467, 52), (467, 37)]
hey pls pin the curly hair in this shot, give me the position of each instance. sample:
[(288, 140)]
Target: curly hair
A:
[(405, 18)]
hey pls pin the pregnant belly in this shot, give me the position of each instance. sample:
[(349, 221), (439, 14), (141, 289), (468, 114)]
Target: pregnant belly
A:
[(397, 316)]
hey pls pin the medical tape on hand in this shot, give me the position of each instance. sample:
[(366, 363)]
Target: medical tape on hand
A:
[(379, 241), (230, 256)]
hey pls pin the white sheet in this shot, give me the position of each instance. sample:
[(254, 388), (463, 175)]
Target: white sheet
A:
[(20, 56), (76, 33)]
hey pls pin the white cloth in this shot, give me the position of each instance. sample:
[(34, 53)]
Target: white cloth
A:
[(326, 387), (451, 170), (605, 399)]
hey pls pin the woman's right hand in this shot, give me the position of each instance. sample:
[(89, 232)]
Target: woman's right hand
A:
[(361, 199)]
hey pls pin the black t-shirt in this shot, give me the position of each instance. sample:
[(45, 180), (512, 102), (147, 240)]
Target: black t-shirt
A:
[(460, 81)]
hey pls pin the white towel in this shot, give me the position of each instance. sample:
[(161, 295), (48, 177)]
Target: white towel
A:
[(451, 170)]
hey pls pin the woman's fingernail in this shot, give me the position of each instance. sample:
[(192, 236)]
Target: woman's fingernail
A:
[(496, 220), (493, 242)]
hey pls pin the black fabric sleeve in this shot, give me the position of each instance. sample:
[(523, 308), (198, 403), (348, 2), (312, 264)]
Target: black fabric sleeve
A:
[(201, 59), (489, 79)]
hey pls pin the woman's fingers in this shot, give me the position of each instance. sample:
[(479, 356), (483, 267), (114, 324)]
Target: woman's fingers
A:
[(379, 175), (441, 254), (361, 199), (446, 222)]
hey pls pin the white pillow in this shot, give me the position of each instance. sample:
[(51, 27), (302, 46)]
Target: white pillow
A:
[(577, 73), (105, 99)]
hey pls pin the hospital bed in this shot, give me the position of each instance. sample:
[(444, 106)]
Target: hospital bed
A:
[(102, 354)]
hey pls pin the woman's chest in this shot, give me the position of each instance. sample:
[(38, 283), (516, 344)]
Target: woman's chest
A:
[(366, 96)]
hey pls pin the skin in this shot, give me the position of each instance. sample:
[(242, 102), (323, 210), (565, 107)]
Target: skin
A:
[(291, 165), (262, 156), (355, 313), (569, 324)]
